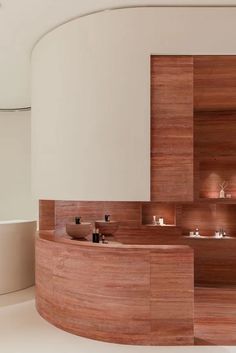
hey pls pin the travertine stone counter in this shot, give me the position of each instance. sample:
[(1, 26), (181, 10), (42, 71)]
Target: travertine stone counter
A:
[(130, 294)]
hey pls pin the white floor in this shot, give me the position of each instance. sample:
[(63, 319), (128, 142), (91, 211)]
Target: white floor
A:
[(22, 330)]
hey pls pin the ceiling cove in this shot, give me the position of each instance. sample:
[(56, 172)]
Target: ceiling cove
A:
[(23, 23)]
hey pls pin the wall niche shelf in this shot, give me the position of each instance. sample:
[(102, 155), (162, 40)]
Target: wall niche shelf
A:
[(158, 209), (230, 200), (158, 225)]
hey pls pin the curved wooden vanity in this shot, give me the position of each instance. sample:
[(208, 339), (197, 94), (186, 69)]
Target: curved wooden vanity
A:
[(129, 294)]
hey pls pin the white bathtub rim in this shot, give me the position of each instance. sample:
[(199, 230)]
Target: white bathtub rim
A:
[(17, 258), (18, 290), (16, 221)]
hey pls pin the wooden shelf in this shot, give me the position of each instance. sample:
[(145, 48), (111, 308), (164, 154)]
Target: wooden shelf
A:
[(160, 209), (204, 237), (217, 200), (158, 225)]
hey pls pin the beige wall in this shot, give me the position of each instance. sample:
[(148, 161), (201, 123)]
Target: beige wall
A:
[(16, 201), (91, 96)]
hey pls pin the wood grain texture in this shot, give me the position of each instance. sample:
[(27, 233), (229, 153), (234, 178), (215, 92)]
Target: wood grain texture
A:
[(215, 134), (214, 82), (201, 216), (46, 214), (215, 152), (214, 259), (148, 235), (226, 218), (124, 294), (215, 307), (171, 128), (127, 213), (215, 316), (158, 209)]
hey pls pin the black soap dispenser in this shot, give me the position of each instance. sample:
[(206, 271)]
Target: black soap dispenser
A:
[(96, 235), (107, 218), (78, 220)]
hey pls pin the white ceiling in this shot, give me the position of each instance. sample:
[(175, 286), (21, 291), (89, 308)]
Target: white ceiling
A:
[(23, 22)]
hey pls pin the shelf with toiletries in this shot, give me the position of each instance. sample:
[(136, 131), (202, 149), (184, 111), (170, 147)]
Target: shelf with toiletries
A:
[(218, 234), (208, 237), (228, 199), (159, 225), (158, 214), (231, 200), (217, 180), (208, 219)]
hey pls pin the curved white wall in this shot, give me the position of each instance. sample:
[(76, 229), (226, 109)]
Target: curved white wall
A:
[(91, 96), (16, 199)]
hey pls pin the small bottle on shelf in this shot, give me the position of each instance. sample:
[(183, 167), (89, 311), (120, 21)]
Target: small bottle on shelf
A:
[(154, 220), (96, 236), (161, 221)]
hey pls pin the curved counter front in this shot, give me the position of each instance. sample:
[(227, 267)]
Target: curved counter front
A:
[(128, 294)]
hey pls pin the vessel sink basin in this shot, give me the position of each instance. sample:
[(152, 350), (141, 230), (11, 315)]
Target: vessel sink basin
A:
[(79, 231), (107, 228)]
